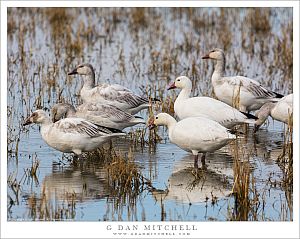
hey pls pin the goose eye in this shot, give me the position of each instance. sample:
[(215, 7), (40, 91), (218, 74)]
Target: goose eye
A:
[(178, 80), (156, 117)]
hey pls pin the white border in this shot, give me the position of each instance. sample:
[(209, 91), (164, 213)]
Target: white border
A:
[(98, 229)]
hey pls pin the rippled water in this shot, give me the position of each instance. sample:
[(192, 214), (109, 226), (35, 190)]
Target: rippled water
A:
[(144, 50)]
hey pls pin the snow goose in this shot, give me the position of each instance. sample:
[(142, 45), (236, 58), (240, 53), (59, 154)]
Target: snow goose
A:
[(97, 113), (205, 106), (281, 111), (194, 134), (72, 134), (239, 91), (114, 94)]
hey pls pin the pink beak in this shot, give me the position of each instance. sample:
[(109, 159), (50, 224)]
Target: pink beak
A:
[(172, 86)]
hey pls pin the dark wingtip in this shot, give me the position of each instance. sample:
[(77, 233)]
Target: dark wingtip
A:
[(138, 117), (113, 130), (278, 95), (249, 116), (155, 99)]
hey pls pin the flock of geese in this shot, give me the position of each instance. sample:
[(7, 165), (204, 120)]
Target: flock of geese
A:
[(203, 124)]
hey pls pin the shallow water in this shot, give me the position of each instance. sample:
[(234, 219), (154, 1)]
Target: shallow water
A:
[(144, 50)]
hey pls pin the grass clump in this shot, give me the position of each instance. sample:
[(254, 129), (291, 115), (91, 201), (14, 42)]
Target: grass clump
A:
[(259, 19), (138, 17), (125, 180)]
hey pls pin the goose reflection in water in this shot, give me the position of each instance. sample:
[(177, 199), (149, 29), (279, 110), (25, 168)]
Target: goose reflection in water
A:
[(187, 185), (80, 185)]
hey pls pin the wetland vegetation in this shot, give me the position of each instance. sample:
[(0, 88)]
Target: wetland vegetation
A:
[(143, 177)]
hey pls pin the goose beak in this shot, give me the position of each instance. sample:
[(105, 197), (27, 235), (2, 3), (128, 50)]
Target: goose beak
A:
[(172, 86), (27, 121), (205, 57), (151, 124), (73, 72), (54, 118)]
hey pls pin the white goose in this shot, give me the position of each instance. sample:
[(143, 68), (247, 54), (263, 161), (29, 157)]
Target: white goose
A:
[(194, 134), (72, 134), (239, 91), (97, 113), (114, 94), (206, 107), (281, 111)]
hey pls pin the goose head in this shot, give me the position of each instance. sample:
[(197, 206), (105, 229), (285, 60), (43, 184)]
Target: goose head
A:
[(83, 69), (215, 54), (61, 110), (181, 82), (160, 119), (38, 117)]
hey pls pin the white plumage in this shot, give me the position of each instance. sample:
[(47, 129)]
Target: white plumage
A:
[(238, 91), (72, 134), (281, 111), (116, 95), (97, 113), (194, 134), (205, 106)]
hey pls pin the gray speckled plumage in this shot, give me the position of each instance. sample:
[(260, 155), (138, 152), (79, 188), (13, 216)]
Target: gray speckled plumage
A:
[(106, 115), (114, 94)]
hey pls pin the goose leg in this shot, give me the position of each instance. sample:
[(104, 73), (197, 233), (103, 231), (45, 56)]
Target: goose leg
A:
[(203, 159), (256, 127), (196, 161)]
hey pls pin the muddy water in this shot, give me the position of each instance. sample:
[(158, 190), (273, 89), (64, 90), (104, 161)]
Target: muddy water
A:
[(142, 49)]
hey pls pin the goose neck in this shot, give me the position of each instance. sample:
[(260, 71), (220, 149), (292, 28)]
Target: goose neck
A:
[(220, 67), (71, 112), (170, 122), (45, 122), (89, 80), (184, 94)]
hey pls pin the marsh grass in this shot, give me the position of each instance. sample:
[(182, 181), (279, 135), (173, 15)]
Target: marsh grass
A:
[(138, 18), (32, 172), (161, 44), (244, 187), (285, 162), (58, 19), (259, 19), (125, 180), (283, 49)]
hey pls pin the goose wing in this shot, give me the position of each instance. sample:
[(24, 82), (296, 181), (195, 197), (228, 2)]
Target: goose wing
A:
[(210, 108), (203, 129), (82, 127), (106, 111), (119, 94), (252, 86)]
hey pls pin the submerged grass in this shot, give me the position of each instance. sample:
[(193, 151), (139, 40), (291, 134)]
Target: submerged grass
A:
[(44, 209)]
